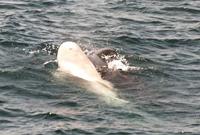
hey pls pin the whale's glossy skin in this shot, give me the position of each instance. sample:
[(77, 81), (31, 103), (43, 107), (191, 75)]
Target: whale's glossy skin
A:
[(97, 57), (72, 60)]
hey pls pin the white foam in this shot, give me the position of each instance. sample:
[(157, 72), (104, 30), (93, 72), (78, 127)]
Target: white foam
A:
[(120, 63), (117, 65)]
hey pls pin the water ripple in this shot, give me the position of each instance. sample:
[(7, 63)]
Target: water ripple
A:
[(161, 38)]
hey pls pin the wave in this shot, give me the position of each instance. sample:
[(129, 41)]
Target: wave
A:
[(182, 9)]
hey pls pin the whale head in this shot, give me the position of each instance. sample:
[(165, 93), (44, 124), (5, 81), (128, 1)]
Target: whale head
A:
[(67, 52), (72, 60)]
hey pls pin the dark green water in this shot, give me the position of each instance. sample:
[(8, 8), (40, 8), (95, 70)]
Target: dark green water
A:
[(159, 36)]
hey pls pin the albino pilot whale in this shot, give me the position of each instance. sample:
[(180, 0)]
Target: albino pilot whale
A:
[(72, 60)]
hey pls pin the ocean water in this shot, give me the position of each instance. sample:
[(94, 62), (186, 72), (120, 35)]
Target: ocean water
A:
[(160, 37)]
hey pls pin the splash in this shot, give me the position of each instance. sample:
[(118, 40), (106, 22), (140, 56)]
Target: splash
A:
[(118, 62), (49, 48)]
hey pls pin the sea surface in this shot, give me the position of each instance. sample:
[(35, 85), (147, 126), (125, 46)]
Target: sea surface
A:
[(160, 37)]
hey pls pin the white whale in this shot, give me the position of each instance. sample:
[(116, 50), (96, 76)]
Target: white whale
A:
[(72, 60)]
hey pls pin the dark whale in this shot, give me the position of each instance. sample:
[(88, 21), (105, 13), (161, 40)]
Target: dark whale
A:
[(101, 57)]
